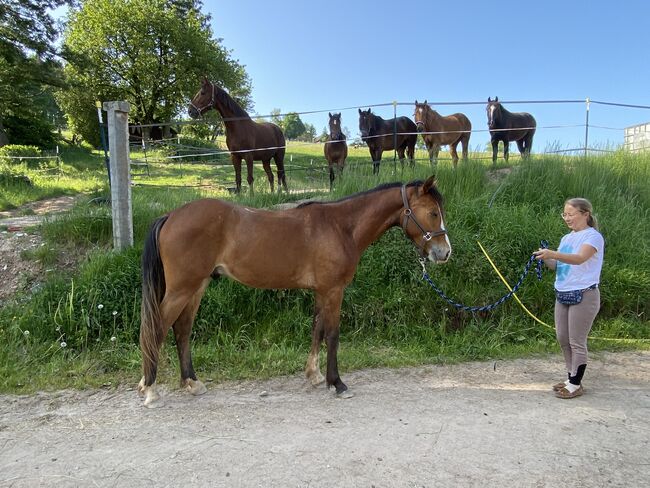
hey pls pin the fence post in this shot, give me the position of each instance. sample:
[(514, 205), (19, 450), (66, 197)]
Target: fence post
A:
[(118, 146), (587, 101)]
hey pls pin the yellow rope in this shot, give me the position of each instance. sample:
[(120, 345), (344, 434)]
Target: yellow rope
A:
[(613, 339)]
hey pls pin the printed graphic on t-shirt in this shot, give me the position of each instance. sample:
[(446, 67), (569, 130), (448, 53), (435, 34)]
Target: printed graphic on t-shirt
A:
[(562, 269)]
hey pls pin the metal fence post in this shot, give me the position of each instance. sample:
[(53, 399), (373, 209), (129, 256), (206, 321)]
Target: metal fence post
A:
[(587, 101), (118, 145)]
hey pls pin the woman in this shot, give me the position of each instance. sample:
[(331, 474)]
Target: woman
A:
[(578, 263)]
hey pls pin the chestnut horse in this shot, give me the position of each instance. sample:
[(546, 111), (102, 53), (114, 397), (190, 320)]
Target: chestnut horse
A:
[(336, 149), (245, 138), (508, 126), (314, 246), (387, 135), (438, 130)]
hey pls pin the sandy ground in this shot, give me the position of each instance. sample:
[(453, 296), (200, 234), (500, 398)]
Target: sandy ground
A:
[(475, 424)]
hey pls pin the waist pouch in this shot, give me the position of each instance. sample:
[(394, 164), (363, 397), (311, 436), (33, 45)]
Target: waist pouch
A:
[(572, 297)]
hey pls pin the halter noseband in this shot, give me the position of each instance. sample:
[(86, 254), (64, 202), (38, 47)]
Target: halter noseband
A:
[(408, 215), (211, 104)]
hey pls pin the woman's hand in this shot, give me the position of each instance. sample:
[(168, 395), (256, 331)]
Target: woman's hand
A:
[(544, 254)]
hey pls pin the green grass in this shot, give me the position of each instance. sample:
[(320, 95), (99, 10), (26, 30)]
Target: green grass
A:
[(390, 316)]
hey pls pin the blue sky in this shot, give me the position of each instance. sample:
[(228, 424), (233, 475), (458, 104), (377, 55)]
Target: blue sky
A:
[(304, 56)]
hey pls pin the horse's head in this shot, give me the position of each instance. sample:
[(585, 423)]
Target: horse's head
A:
[(203, 100), (420, 115), (366, 123), (423, 221), (335, 126), (493, 112)]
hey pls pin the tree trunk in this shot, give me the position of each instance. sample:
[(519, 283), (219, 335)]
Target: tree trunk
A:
[(4, 140)]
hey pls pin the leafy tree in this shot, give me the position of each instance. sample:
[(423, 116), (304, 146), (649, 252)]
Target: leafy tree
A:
[(293, 126), (28, 71), (310, 133), (150, 53), (276, 119), (324, 135)]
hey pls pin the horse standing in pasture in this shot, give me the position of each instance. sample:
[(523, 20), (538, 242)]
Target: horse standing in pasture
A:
[(245, 138), (509, 126), (387, 135), (438, 130), (336, 148), (314, 246)]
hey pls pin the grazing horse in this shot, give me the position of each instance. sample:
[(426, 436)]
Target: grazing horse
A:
[(438, 130), (245, 138), (386, 135), (508, 126), (314, 246), (336, 149)]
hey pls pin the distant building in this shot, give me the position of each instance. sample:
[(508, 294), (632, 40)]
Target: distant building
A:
[(637, 137)]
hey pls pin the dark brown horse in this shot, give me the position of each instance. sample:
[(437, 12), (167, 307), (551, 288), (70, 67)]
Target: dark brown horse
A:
[(386, 135), (245, 138), (336, 149), (438, 130), (315, 246), (508, 126)]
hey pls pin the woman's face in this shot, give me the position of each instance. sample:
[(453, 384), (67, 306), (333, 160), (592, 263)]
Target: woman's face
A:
[(575, 219)]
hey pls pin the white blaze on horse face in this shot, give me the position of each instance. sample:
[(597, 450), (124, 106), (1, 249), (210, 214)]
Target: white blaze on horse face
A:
[(491, 114)]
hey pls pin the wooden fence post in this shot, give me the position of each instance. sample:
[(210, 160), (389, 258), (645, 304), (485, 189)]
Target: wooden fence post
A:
[(118, 146)]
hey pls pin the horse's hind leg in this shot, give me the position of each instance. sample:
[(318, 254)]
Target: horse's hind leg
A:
[(170, 309), (279, 164), (266, 164), (522, 148), (182, 331), (454, 153)]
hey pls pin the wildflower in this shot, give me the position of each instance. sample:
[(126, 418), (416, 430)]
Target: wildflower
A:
[(100, 306), (63, 344), (113, 339), (114, 313), (26, 333), (58, 328)]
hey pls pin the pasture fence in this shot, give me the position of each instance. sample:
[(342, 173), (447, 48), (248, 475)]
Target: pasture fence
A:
[(174, 151)]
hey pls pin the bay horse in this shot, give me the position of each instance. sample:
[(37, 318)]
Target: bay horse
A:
[(438, 130), (386, 135), (509, 126), (314, 246), (336, 149), (245, 138)]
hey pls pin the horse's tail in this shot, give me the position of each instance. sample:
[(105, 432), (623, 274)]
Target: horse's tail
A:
[(153, 290)]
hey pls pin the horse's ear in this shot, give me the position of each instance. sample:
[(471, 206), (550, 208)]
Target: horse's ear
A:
[(416, 101), (330, 114), (430, 183), (425, 102), (359, 111), (496, 99), (489, 99)]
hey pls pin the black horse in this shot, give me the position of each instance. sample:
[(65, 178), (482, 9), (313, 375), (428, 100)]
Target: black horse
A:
[(508, 126), (386, 135)]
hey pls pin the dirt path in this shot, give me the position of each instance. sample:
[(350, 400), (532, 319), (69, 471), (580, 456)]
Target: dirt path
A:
[(476, 424)]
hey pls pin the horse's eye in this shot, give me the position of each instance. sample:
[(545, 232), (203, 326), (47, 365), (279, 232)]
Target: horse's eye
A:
[(434, 214)]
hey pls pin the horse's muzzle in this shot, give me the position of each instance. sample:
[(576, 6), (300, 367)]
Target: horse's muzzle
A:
[(193, 113), (420, 126)]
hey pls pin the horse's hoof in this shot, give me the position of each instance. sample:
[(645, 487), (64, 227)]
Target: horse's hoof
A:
[(195, 387), (141, 387), (344, 394), (152, 398), (317, 379)]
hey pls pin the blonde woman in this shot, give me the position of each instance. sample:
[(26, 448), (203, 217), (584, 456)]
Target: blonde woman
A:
[(577, 264)]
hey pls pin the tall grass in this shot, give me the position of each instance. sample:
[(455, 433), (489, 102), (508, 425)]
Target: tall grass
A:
[(389, 316)]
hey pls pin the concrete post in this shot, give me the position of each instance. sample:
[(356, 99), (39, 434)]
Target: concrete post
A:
[(118, 146)]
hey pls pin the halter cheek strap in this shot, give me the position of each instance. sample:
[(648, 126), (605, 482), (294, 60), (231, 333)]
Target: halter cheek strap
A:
[(211, 104), (408, 215)]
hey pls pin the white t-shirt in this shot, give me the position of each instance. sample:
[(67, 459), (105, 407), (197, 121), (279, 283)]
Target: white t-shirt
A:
[(580, 276)]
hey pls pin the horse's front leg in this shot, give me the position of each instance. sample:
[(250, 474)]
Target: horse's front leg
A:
[(330, 313), (495, 150), (506, 150), (312, 369), (236, 162), (249, 171)]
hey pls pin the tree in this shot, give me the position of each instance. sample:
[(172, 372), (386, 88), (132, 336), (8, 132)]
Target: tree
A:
[(293, 126), (276, 119), (150, 53), (310, 133), (29, 69)]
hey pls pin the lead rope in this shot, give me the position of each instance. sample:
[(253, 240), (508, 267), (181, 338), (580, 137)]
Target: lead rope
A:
[(485, 308)]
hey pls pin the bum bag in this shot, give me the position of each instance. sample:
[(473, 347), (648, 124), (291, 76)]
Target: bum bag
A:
[(572, 297)]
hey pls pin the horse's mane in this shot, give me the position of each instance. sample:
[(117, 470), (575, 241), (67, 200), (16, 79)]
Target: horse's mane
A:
[(223, 96), (385, 186)]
